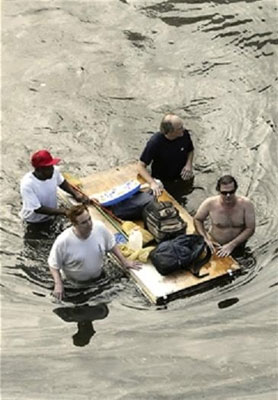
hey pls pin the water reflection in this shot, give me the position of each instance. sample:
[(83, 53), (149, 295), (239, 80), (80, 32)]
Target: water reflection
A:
[(84, 316)]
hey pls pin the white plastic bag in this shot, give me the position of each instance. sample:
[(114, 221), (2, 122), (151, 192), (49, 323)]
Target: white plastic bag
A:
[(135, 240)]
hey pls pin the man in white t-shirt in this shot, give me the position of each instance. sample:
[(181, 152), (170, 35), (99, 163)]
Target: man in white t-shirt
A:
[(79, 250), (38, 189)]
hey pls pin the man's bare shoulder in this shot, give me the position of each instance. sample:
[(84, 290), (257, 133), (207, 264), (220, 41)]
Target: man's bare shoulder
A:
[(206, 207), (245, 202), (210, 201)]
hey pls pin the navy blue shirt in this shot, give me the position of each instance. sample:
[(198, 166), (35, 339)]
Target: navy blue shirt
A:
[(168, 157)]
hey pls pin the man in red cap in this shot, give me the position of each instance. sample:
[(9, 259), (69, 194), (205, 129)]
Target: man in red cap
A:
[(39, 189)]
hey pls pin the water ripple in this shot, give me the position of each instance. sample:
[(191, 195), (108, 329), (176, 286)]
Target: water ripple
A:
[(137, 39), (180, 21), (228, 25)]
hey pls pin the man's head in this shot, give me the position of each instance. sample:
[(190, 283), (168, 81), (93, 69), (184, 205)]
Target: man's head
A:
[(227, 186), (81, 220), (43, 163), (171, 126)]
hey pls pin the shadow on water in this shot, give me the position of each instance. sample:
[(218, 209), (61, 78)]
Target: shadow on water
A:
[(84, 316)]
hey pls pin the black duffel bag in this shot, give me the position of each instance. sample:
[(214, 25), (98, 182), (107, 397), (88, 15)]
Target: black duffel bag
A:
[(184, 252)]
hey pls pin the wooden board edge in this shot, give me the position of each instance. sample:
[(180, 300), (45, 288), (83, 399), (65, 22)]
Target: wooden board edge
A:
[(139, 284), (199, 288)]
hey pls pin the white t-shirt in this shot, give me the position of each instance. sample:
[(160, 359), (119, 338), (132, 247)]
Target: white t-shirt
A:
[(81, 259), (36, 193)]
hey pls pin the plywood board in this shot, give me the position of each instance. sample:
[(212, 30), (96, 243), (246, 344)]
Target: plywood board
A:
[(156, 287)]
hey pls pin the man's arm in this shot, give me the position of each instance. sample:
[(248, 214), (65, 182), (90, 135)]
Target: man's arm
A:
[(125, 263), (250, 224), (55, 262), (142, 170), (58, 291), (33, 204), (186, 172), (51, 211), (66, 186), (199, 219)]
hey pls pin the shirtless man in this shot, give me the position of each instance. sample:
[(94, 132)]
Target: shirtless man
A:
[(232, 218)]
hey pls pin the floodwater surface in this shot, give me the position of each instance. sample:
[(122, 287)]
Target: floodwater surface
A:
[(90, 81)]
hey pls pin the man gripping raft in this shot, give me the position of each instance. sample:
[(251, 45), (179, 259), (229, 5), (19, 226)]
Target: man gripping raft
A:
[(170, 153), (38, 189), (79, 250), (232, 219)]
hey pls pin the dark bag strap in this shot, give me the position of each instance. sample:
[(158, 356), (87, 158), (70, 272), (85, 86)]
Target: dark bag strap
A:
[(197, 265)]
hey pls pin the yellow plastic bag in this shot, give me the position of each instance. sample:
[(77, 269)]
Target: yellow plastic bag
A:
[(140, 255)]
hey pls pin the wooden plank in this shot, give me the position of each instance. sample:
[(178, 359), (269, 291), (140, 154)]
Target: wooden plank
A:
[(156, 287)]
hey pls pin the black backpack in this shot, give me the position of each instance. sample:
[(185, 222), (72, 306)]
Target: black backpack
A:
[(163, 221), (183, 252)]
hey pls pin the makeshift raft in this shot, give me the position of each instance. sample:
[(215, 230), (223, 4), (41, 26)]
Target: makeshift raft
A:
[(157, 288)]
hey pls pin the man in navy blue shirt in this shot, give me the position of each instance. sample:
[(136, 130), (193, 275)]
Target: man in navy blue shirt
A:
[(170, 153)]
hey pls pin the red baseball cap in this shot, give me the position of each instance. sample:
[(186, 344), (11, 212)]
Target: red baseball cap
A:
[(43, 158)]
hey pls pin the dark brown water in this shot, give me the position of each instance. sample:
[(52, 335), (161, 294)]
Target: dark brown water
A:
[(90, 80)]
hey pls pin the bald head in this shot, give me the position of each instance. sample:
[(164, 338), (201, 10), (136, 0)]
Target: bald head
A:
[(171, 125)]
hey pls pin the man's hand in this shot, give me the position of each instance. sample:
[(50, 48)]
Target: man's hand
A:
[(133, 265), (212, 245), (186, 173), (124, 261), (225, 250), (81, 198), (156, 188), (58, 291), (63, 210)]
